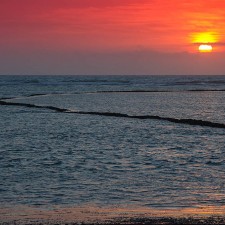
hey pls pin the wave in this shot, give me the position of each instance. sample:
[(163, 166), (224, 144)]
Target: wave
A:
[(117, 91), (200, 82), (32, 106), (38, 94), (214, 163), (96, 81), (153, 91), (193, 122), (32, 81)]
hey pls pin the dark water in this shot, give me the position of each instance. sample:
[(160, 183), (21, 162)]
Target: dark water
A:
[(58, 158)]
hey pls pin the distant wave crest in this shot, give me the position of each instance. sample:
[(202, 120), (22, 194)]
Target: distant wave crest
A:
[(113, 91), (193, 122)]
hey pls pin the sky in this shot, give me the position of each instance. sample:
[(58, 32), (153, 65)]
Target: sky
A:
[(107, 37)]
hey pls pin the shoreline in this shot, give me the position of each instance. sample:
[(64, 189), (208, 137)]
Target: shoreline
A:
[(93, 215)]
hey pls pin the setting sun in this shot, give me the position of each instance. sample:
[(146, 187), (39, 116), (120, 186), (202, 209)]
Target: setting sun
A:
[(205, 48), (205, 40)]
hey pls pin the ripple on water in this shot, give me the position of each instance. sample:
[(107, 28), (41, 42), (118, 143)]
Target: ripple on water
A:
[(49, 158)]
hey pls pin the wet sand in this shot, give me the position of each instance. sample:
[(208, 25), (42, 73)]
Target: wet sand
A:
[(114, 215)]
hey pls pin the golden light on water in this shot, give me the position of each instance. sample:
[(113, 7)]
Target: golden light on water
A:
[(92, 213), (205, 48)]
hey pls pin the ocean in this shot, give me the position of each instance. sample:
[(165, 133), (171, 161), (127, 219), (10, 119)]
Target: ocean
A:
[(147, 141)]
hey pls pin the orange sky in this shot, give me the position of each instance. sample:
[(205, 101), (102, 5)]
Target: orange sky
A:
[(111, 26)]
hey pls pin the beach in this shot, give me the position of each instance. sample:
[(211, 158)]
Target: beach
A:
[(113, 215)]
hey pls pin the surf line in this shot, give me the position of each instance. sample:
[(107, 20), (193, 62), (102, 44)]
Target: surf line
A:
[(193, 122), (112, 92)]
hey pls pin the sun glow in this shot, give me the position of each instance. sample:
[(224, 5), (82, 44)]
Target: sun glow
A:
[(205, 37), (205, 40), (205, 48)]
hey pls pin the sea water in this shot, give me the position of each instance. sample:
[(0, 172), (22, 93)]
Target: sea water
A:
[(58, 158)]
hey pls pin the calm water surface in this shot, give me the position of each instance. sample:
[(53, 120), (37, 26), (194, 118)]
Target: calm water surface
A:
[(49, 158)]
